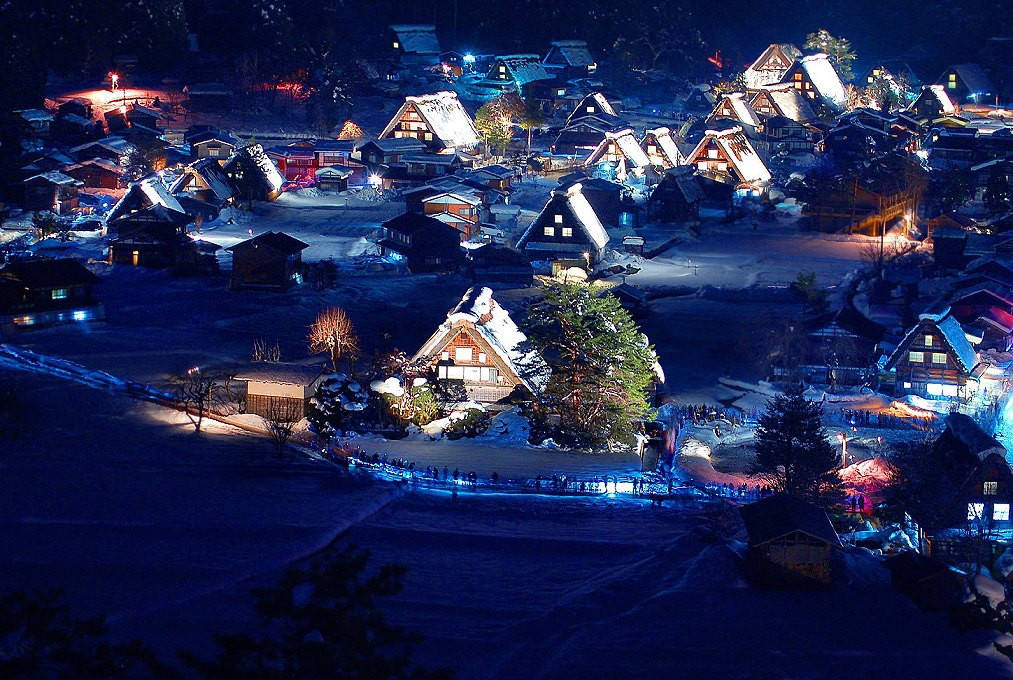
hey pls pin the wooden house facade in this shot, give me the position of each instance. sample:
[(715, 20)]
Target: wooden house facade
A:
[(44, 292), (438, 120), (272, 260), (566, 228), (728, 156), (480, 348), (771, 65), (423, 243), (677, 197), (790, 541), (278, 390), (53, 191), (661, 148), (935, 360)]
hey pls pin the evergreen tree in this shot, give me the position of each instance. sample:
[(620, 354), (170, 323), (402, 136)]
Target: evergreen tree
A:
[(601, 363), (837, 49), (793, 454), (998, 195)]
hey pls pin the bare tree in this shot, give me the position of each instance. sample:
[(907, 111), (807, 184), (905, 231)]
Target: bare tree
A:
[(262, 351), (279, 419), (333, 333), (198, 392)]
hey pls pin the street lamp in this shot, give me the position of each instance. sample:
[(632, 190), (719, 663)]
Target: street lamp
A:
[(843, 439), (114, 81)]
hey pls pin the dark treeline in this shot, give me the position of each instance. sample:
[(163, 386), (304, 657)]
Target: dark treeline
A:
[(79, 38)]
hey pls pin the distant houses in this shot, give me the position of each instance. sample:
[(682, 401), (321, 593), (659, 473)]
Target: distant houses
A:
[(423, 243)]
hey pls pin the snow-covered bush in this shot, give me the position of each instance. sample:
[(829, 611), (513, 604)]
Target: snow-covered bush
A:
[(471, 423), (339, 404)]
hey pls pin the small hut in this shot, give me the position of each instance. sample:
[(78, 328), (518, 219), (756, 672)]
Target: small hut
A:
[(790, 541)]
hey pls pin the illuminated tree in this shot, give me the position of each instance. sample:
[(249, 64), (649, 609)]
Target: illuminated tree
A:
[(350, 131), (601, 363), (838, 50), (333, 333), (495, 120), (531, 119)]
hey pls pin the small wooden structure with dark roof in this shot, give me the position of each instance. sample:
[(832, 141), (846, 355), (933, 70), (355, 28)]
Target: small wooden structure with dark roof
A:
[(44, 292), (790, 541), (279, 390), (271, 260)]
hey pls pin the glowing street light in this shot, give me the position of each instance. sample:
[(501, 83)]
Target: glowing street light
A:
[(114, 81), (843, 439)]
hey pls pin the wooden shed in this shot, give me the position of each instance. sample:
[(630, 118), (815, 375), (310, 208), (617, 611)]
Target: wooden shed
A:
[(790, 541), (276, 389)]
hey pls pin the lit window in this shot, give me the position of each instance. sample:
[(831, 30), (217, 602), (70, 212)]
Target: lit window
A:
[(445, 356), (502, 68), (60, 293), (907, 385), (397, 45), (916, 357), (938, 358), (990, 488), (590, 109), (712, 153), (481, 357), (975, 510), (934, 389), (567, 232), (928, 341), (560, 93), (1000, 512), (462, 354), (550, 231), (952, 81), (559, 219)]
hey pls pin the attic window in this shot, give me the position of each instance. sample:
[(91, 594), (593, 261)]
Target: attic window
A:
[(481, 357), (591, 68), (397, 45), (928, 341), (462, 354), (590, 109), (560, 93), (990, 488), (916, 357), (951, 82), (559, 219), (549, 231)]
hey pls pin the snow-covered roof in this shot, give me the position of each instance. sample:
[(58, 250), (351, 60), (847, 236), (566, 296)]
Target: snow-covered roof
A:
[(667, 145), (458, 196), (101, 163), (789, 102), (524, 68), (975, 78), (939, 93), (626, 142), (954, 336), (493, 322), (771, 65), (157, 194), (56, 177), (741, 109), (571, 52), (280, 373), (824, 78), (205, 172), (267, 167), (741, 154), (586, 215), (444, 114), (36, 115), (417, 38), (334, 171)]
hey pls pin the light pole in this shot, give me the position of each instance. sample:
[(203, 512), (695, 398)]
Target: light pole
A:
[(843, 439)]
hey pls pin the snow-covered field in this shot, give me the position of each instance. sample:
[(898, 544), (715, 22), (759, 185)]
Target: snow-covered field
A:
[(123, 506)]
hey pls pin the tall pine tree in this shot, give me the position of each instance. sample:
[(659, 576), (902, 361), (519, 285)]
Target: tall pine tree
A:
[(601, 363), (793, 454)]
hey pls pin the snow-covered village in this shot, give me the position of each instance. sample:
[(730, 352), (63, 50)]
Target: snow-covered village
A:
[(533, 339)]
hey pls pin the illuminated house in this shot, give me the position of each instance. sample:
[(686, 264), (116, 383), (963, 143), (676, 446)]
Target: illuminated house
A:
[(206, 181), (212, 144), (438, 120), (771, 65), (661, 148), (416, 44), (569, 59), (515, 72), (935, 359), (253, 175), (459, 210), (817, 80), (781, 100), (97, 173), (143, 194), (481, 349), (728, 157), (37, 293), (968, 83), (735, 107), (586, 126), (566, 228), (618, 155)]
